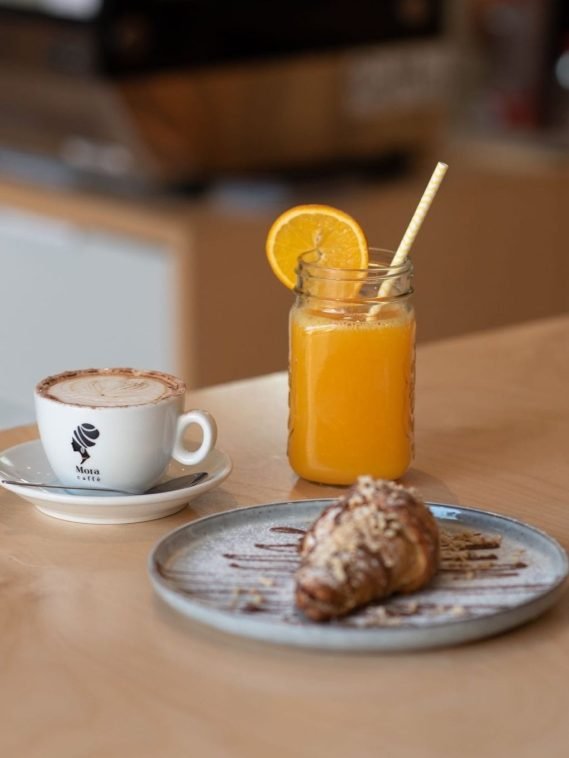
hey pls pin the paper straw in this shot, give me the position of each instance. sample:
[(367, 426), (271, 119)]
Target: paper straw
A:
[(415, 224)]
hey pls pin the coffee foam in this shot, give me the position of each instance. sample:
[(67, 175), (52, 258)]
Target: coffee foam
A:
[(110, 388)]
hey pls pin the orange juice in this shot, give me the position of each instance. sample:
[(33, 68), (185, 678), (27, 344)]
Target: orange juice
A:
[(351, 393)]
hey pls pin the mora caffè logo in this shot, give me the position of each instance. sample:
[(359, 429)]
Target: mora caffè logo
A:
[(84, 437)]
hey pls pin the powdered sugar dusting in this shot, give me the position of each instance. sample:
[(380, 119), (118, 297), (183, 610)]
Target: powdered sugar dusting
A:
[(247, 567)]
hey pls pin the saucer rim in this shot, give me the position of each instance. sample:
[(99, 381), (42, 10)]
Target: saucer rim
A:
[(112, 501)]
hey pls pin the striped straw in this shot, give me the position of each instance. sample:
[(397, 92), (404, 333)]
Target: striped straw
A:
[(415, 224)]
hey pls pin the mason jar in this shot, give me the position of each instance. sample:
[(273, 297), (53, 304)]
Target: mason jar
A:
[(351, 370)]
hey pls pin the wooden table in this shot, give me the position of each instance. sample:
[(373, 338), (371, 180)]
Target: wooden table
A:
[(93, 664)]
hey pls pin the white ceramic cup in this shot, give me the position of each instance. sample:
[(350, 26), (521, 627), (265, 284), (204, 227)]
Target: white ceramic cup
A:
[(126, 445)]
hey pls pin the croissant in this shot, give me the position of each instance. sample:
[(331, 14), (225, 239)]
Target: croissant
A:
[(379, 539)]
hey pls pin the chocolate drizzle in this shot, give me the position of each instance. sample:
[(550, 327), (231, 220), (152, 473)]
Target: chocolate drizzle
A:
[(477, 576), (287, 530)]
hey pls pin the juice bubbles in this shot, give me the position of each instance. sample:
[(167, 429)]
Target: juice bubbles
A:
[(351, 375)]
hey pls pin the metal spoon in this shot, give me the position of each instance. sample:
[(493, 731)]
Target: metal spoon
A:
[(171, 484)]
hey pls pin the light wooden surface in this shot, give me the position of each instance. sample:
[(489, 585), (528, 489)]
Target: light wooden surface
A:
[(92, 664)]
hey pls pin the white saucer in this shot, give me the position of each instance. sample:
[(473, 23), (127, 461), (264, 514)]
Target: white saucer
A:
[(27, 463)]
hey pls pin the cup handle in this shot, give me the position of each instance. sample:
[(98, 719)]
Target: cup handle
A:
[(209, 430)]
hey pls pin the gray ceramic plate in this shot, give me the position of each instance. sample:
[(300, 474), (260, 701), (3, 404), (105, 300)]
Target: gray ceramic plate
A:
[(234, 571)]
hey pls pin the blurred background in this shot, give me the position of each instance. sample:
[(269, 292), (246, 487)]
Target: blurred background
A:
[(146, 146)]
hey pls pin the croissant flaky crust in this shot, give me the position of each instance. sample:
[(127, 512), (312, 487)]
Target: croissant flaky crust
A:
[(379, 539)]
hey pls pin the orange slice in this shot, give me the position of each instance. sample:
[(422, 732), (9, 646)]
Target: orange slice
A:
[(303, 228)]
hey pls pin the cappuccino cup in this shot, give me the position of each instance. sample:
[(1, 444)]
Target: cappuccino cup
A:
[(117, 428)]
